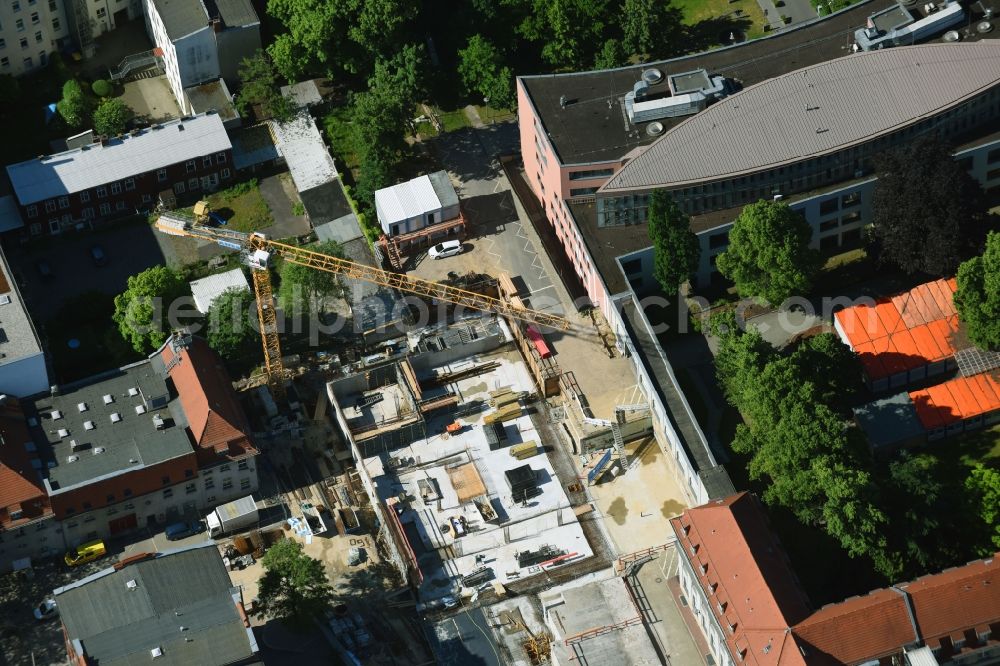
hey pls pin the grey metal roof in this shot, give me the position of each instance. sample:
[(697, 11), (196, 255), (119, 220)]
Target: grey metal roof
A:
[(17, 333), (813, 111), (303, 93), (889, 421), (343, 229), (237, 13), (181, 17), (302, 146), (443, 188), (81, 169), (253, 145), (190, 588), (133, 437)]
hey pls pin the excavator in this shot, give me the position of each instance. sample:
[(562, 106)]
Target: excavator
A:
[(258, 251)]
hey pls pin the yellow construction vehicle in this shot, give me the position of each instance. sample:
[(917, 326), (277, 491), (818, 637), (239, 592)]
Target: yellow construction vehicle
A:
[(259, 249)]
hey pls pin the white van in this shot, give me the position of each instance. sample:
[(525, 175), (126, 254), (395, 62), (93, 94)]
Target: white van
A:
[(446, 249)]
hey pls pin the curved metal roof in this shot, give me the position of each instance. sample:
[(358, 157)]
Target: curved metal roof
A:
[(814, 110)]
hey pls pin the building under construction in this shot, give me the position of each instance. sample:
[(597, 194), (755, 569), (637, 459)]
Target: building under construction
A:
[(451, 459)]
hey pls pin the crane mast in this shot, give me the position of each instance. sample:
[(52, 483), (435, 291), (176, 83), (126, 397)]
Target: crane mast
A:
[(258, 249)]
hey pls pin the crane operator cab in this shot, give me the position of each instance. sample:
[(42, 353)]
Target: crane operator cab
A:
[(258, 259)]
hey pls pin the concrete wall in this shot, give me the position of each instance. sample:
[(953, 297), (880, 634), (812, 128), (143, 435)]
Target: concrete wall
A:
[(35, 19), (425, 361), (197, 58), (630, 431), (25, 376), (235, 44)]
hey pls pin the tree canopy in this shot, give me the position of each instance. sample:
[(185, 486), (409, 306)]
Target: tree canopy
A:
[(977, 297), (232, 323), (929, 214), (675, 247), (769, 255), (112, 117), (141, 310), (482, 70), (294, 587), (73, 107), (303, 287), (983, 485), (259, 85)]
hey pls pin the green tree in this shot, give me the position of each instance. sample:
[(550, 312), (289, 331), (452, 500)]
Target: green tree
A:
[(73, 106), (102, 88), (650, 27), (10, 91), (141, 310), (929, 214), (912, 494), (374, 173), (832, 367), (294, 587), (769, 255), (482, 70), (377, 25), (741, 357), (316, 41), (302, 287), (112, 117), (983, 486), (569, 31), (401, 79), (977, 297), (610, 56), (259, 85), (676, 250), (232, 322)]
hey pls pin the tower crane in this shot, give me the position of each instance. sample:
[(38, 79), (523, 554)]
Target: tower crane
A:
[(258, 250)]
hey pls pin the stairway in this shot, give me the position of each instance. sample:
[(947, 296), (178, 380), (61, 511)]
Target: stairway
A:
[(135, 63)]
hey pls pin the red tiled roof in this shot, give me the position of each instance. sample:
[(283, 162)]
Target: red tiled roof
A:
[(214, 416), (20, 487), (856, 630), (745, 574), (948, 603), (907, 331)]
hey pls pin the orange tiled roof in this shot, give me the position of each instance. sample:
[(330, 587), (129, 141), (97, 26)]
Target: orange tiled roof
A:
[(907, 331), (20, 487), (744, 572), (957, 400), (856, 630), (214, 416), (948, 603)]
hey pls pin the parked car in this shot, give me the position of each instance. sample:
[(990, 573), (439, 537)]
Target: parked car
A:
[(85, 552), (446, 249), (46, 610), (98, 255), (183, 530), (43, 269)]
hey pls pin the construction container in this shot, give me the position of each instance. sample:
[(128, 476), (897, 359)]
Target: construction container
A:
[(525, 450)]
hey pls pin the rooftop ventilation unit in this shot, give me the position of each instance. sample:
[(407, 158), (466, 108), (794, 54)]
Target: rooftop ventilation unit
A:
[(82, 406), (74, 445), (88, 425), (133, 391), (99, 450), (140, 409), (108, 399), (654, 128), (5, 299), (115, 417), (158, 422), (62, 432), (56, 415), (155, 652), (72, 459), (131, 584), (652, 76)]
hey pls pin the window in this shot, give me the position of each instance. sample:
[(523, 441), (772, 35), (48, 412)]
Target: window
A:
[(718, 240), (105, 208), (161, 175), (225, 468), (19, 24), (36, 229), (147, 198), (54, 225), (225, 173), (112, 511), (116, 188), (227, 484), (206, 161), (56, 25), (193, 184), (85, 196), (88, 213), (592, 173), (53, 7), (851, 218), (64, 202), (102, 192), (243, 464), (244, 484), (632, 266), (190, 489), (829, 224), (5, 62), (88, 519), (994, 173), (582, 191), (829, 206), (32, 211), (168, 493), (209, 483), (101, 12), (127, 493), (86, 506), (34, 18), (3, 43), (110, 499), (15, 6), (129, 184), (120, 205), (38, 37), (210, 499), (993, 156), (220, 158), (179, 187), (165, 480), (189, 167), (24, 42), (71, 510)]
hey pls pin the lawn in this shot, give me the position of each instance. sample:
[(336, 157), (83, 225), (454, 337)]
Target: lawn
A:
[(453, 120), (242, 206), (713, 20), (337, 125)]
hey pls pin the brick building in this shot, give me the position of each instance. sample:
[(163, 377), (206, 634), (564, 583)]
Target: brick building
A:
[(139, 446), (121, 175)]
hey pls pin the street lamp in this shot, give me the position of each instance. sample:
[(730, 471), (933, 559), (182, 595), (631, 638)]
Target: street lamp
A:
[(486, 101)]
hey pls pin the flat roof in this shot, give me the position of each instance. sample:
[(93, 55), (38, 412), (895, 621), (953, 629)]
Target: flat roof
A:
[(212, 96), (178, 602), (121, 438), (181, 17), (253, 145), (891, 18), (18, 338), (10, 216), (207, 289), (415, 197), (593, 128), (234, 13), (123, 157), (957, 400), (343, 229), (889, 421), (906, 331), (301, 144), (816, 110), (303, 93)]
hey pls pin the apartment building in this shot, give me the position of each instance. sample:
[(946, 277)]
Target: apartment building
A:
[(23, 370), (30, 32), (121, 175), (135, 447)]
